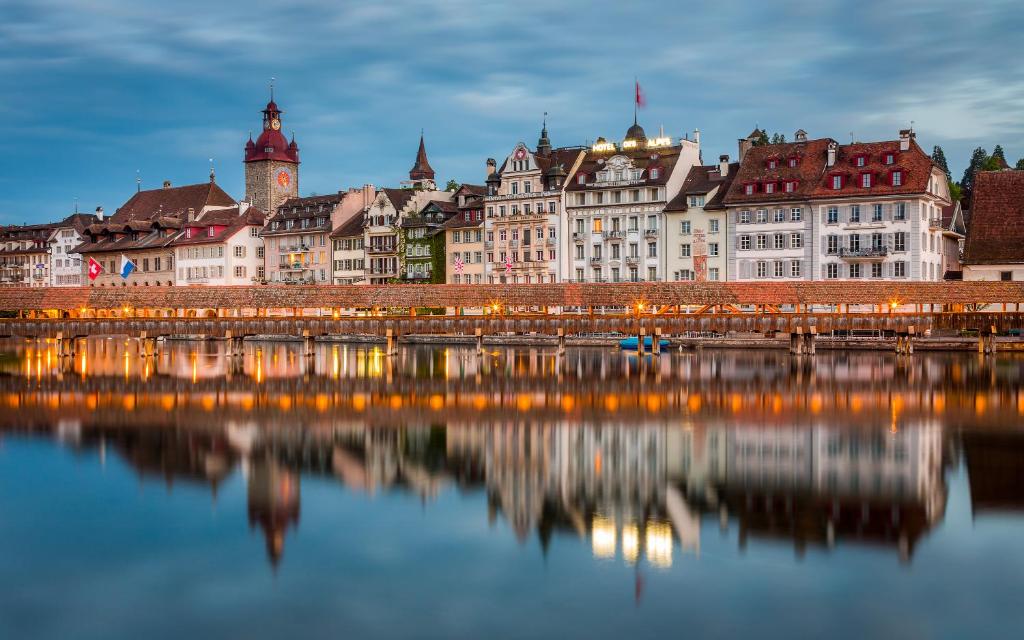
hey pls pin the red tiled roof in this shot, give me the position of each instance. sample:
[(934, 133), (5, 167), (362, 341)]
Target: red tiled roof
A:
[(702, 180), (914, 163), (351, 227), (172, 201), (664, 158), (995, 232), (811, 157), (229, 221)]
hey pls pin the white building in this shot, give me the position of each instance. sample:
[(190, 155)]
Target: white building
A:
[(695, 224), (65, 263), (221, 247), (615, 206)]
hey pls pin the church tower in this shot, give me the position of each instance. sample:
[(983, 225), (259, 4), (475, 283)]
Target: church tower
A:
[(422, 175), (271, 164)]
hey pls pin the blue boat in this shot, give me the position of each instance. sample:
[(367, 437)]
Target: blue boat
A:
[(630, 344)]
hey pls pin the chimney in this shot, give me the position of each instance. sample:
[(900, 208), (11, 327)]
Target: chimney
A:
[(492, 166), (191, 211), (906, 135), (369, 193), (800, 135), (833, 146), (723, 165), (696, 136), (167, 184), (243, 206), (745, 145), (99, 213)]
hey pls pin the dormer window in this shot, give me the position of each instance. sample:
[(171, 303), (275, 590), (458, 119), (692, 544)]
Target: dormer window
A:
[(789, 186), (897, 178), (188, 233), (654, 173), (581, 179), (748, 189), (769, 187), (773, 163), (890, 158), (209, 232), (794, 161), (837, 183), (268, 149), (860, 161), (865, 180)]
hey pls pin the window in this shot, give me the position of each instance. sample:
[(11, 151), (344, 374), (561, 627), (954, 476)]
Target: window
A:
[(832, 270), (579, 252), (780, 215), (696, 201), (769, 187), (654, 173), (773, 163), (762, 215), (254, 232), (779, 269), (889, 158), (456, 236), (652, 274), (855, 213), (796, 240), (1006, 276), (899, 241), (876, 270), (684, 227), (865, 180), (779, 241), (652, 249), (713, 274), (762, 241), (762, 269), (861, 161), (260, 252), (744, 243), (899, 269), (527, 186), (901, 211), (684, 251), (897, 178), (794, 269), (876, 213), (833, 215), (832, 244), (789, 186), (854, 242), (855, 270), (748, 189), (713, 226), (837, 183), (744, 217), (239, 271), (712, 248), (793, 161)]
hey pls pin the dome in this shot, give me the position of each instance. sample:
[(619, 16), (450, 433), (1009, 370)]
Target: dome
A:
[(271, 106), (636, 132)]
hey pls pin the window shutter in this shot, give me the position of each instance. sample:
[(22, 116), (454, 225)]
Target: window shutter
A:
[(744, 269)]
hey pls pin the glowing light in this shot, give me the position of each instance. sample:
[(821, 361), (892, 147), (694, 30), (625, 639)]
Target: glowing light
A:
[(659, 544), (630, 543), (602, 537), (436, 402), (603, 146), (893, 304)]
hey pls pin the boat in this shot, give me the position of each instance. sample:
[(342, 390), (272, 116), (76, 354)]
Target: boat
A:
[(630, 344)]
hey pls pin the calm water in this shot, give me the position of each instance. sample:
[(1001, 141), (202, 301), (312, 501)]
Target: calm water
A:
[(438, 494)]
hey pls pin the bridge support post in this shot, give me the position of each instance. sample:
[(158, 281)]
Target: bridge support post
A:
[(65, 346), (561, 341), (307, 343), (810, 339), (910, 340), (479, 341), (656, 341), (391, 348), (640, 341)]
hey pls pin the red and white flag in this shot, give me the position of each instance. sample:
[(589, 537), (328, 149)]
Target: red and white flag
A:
[(508, 265), (95, 269), (458, 264), (641, 101)]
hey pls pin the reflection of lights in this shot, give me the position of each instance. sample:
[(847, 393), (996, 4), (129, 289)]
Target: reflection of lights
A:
[(285, 403), (602, 538), (167, 402), (568, 403), (611, 403), (817, 403), (335, 363), (693, 403), (524, 402), (128, 402), (323, 402), (630, 543), (195, 367), (359, 401), (436, 402), (659, 544)]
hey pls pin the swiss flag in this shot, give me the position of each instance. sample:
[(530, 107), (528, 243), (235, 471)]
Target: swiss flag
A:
[(95, 269), (641, 101)]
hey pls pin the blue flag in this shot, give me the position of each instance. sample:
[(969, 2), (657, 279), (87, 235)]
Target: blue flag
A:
[(127, 266)]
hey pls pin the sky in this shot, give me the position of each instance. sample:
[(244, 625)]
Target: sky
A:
[(96, 93)]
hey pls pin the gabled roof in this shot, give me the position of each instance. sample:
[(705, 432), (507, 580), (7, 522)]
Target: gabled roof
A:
[(702, 180), (172, 202), (811, 158), (914, 163), (229, 221), (995, 232), (446, 208), (351, 227), (664, 158), (399, 197)]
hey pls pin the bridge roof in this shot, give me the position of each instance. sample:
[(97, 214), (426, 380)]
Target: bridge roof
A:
[(553, 295)]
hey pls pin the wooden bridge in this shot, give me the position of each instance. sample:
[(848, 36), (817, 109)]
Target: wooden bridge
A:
[(540, 309)]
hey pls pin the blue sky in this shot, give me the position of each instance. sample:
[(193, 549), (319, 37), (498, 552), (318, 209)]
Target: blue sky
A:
[(95, 90)]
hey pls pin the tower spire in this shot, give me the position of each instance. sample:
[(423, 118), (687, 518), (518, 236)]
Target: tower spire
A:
[(421, 171), (213, 176), (272, 78)]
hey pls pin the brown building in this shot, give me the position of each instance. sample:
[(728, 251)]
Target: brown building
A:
[(994, 248), (25, 255)]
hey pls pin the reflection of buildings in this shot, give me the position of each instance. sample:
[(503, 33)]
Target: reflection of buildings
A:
[(995, 467), (821, 485), (273, 492)]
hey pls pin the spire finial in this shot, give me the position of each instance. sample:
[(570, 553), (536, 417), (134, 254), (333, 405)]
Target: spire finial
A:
[(138, 180), (272, 78), (213, 176)]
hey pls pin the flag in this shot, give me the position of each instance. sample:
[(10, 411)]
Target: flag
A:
[(458, 264), (508, 265), (640, 100), (127, 266), (95, 269)]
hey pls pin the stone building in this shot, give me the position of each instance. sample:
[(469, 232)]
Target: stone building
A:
[(695, 224), (65, 262), (25, 255), (296, 239), (524, 225), (615, 206), (143, 230), (221, 247), (994, 247), (464, 238), (271, 164)]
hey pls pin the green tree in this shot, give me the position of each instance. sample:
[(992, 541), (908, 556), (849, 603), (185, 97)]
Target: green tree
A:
[(939, 158), (452, 186), (978, 158), (1020, 165), (778, 138), (760, 138), (992, 163), (998, 153), (955, 192)]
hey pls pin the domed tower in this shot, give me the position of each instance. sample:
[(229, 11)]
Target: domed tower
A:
[(544, 142), (636, 135), (271, 164), (421, 174)]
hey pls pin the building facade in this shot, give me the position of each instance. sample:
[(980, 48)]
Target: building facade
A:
[(524, 226), (349, 252), (423, 259), (65, 262), (25, 255), (615, 206), (221, 247), (695, 225), (464, 238), (994, 247)]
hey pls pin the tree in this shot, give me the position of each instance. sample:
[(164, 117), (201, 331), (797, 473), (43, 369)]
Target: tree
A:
[(1020, 165), (998, 153), (778, 138), (955, 192), (452, 186), (939, 158), (992, 163), (759, 138), (978, 158)]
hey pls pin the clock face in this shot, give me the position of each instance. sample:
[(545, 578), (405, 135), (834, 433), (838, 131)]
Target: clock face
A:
[(284, 178), (275, 124), (520, 153)]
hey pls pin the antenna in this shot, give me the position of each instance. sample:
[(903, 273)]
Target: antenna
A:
[(213, 176), (138, 181), (76, 204), (851, 138), (272, 78)]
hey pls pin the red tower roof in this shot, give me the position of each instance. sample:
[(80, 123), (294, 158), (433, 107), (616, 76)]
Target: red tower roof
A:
[(271, 145), (421, 170)]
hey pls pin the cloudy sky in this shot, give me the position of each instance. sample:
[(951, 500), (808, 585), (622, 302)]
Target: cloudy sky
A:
[(94, 91)]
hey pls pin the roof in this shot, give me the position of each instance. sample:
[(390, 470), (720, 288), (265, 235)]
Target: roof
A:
[(172, 201), (421, 170), (399, 197), (811, 157), (995, 232), (459, 221), (914, 163), (445, 207), (664, 158), (307, 208), (563, 157), (228, 221), (77, 221), (271, 145), (702, 180), (351, 227)]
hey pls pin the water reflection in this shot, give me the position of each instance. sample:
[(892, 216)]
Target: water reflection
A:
[(635, 458)]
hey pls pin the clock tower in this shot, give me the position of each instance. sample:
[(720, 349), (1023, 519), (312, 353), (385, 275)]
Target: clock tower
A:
[(271, 164)]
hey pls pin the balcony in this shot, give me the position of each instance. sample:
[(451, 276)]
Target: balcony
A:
[(865, 253), (632, 260), (550, 242), (513, 244), (595, 260), (935, 223), (650, 233), (578, 236), (379, 249), (299, 248), (614, 234)]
